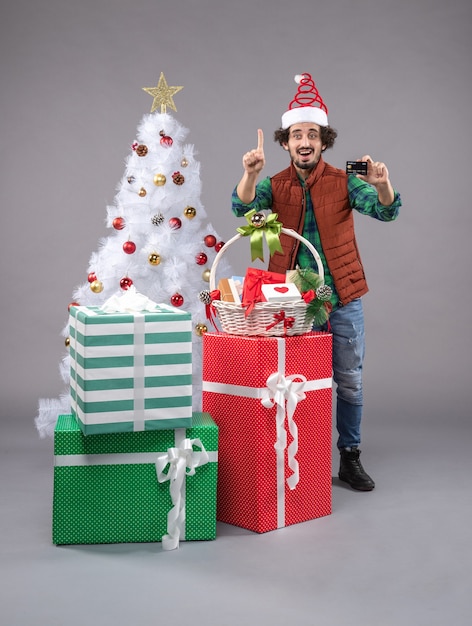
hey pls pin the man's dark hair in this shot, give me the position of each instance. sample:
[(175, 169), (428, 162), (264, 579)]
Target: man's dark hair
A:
[(327, 135)]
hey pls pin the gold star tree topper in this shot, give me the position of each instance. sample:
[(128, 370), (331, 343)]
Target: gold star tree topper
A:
[(162, 94)]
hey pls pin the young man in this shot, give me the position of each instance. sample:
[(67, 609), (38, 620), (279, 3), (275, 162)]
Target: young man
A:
[(316, 200)]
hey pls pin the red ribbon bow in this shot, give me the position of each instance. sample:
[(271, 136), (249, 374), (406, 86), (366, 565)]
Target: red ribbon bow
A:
[(308, 296), (252, 286), (281, 317), (210, 309)]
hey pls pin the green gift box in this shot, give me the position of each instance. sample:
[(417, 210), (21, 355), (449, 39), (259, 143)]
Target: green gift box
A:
[(135, 487), (130, 371)]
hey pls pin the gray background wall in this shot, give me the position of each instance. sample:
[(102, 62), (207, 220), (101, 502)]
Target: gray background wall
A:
[(395, 75)]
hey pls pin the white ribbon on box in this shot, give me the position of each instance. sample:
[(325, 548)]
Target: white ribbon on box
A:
[(131, 301), (284, 392), (182, 461)]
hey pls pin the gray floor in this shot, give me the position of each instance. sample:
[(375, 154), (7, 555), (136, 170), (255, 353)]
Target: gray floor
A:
[(398, 556)]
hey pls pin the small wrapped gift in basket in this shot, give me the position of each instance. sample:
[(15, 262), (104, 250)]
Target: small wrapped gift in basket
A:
[(269, 318)]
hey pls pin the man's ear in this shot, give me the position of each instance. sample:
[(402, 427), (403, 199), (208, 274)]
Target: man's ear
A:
[(285, 146)]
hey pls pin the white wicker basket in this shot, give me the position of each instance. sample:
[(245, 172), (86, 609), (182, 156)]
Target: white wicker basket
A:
[(232, 315)]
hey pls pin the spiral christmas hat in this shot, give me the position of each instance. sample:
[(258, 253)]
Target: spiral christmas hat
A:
[(307, 105)]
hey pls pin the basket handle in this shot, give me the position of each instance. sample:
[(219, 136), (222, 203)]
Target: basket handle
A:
[(287, 231)]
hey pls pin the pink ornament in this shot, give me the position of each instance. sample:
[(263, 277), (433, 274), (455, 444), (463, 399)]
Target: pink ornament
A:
[(166, 141)]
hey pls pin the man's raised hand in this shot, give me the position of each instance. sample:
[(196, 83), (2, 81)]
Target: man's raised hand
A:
[(254, 160)]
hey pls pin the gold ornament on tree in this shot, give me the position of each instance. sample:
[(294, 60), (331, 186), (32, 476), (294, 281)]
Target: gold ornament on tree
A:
[(200, 329), (159, 180), (96, 286), (190, 212), (206, 275), (154, 258)]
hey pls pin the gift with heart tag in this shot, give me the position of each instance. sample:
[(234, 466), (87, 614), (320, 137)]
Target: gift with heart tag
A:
[(280, 292)]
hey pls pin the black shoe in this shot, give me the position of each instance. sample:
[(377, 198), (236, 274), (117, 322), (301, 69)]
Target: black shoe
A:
[(352, 472)]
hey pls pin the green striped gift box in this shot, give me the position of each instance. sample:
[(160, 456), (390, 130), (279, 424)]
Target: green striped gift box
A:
[(106, 488), (130, 371)]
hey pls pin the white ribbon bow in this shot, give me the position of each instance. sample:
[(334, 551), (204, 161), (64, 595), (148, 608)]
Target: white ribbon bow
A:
[(282, 389), (182, 462), (130, 301)]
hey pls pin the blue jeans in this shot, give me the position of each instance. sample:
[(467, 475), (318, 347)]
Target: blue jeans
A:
[(347, 326)]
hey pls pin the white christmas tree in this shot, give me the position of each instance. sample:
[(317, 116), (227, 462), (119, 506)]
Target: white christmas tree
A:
[(161, 241)]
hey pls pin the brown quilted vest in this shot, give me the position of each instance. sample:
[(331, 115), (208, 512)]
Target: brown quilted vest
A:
[(333, 214)]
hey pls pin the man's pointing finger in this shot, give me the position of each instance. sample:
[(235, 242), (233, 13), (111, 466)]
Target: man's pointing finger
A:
[(260, 140)]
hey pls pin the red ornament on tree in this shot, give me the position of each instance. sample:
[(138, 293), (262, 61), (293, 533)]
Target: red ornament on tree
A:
[(125, 283), (129, 247), (219, 245), (91, 277), (72, 304), (166, 141), (175, 223), (201, 258), (210, 241), (118, 223), (177, 299)]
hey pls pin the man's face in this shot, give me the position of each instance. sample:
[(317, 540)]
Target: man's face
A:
[(304, 146)]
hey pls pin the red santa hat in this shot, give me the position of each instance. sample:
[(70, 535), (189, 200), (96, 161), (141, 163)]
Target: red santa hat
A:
[(307, 105)]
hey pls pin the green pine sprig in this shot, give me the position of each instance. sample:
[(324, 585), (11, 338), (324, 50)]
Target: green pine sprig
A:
[(317, 312)]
